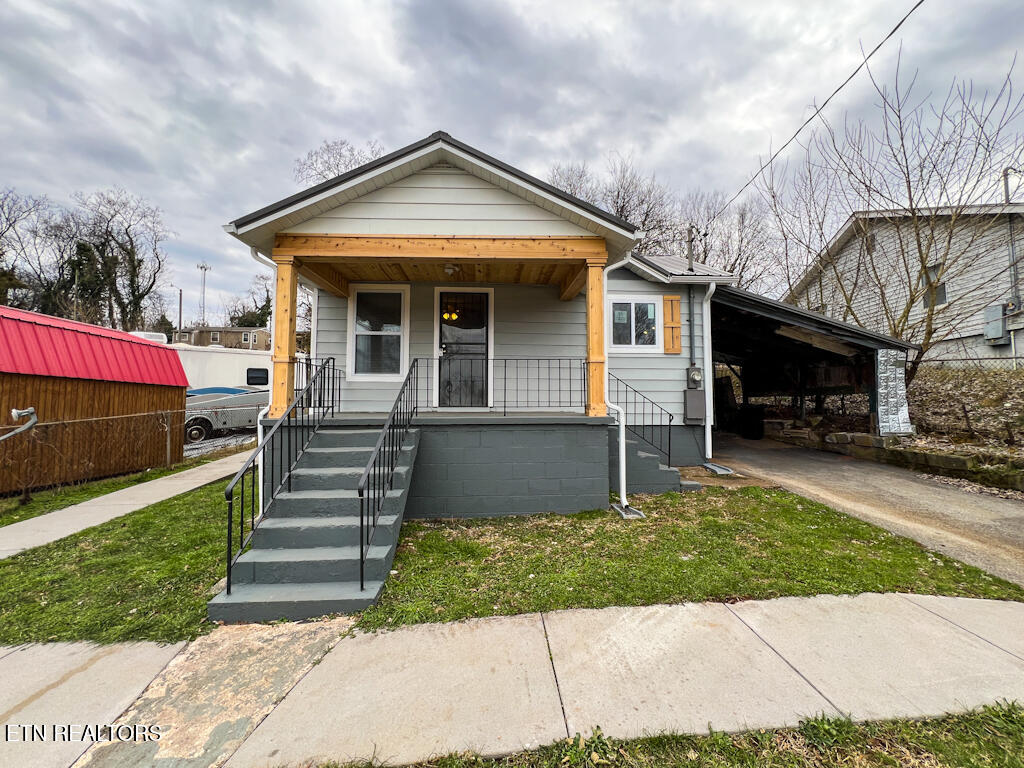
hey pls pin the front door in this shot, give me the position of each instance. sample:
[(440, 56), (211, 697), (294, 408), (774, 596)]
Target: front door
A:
[(462, 367)]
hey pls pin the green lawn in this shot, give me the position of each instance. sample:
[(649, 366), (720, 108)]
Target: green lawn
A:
[(992, 736), (50, 500), (718, 544), (148, 575), (144, 576)]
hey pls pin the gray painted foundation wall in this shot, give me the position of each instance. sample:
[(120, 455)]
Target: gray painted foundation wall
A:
[(493, 470)]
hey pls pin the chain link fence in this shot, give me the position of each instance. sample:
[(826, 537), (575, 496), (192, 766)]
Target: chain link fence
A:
[(67, 452)]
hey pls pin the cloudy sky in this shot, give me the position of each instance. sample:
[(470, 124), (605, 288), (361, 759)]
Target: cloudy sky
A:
[(202, 106)]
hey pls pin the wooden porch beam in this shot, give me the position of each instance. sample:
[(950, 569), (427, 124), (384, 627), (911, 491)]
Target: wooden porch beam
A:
[(284, 337), (596, 375), (332, 247), (573, 284), (326, 278)]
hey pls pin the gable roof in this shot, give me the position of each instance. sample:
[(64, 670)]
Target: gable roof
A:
[(849, 230), (257, 228), (42, 345)]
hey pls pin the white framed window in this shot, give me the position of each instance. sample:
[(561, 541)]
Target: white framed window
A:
[(214, 337), (183, 337), (940, 289), (635, 323), (245, 338), (378, 333)]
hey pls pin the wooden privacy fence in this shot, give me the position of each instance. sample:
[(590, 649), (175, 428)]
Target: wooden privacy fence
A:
[(60, 453)]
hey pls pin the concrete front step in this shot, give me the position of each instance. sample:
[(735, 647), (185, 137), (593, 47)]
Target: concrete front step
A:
[(268, 602), (344, 456), (345, 438), (310, 564), (337, 503), (338, 478), (299, 532)]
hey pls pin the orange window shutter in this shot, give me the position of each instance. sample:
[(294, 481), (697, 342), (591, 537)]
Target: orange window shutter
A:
[(673, 325)]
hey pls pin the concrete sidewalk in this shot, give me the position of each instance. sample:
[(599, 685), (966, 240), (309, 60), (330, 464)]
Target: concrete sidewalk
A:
[(68, 684), (499, 685), (37, 531)]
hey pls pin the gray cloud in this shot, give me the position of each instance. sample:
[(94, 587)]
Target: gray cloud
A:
[(203, 107)]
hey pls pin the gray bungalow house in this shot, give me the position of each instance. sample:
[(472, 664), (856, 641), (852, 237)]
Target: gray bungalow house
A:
[(480, 341)]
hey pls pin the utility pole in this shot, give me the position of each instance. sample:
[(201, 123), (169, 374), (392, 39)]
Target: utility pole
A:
[(179, 314), (204, 268), (1014, 294)]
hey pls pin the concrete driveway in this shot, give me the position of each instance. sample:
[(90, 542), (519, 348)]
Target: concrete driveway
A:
[(976, 528)]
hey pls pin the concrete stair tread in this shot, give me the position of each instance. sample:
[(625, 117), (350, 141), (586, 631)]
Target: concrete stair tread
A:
[(324, 493), (316, 554), (339, 471), (299, 592), (326, 522), (341, 449)]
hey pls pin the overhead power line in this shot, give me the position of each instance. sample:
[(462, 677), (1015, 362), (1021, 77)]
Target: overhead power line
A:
[(817, 111)]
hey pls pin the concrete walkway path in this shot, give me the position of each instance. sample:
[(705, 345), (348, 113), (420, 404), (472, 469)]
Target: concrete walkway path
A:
[(503, 684), (48, 693), (37, 531), (979, 529)]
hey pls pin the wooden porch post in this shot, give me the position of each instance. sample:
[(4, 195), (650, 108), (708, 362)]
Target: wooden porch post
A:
[(596, 375), (284, 335)]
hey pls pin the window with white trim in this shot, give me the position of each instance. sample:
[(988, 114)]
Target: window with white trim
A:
[(214, 337), (245, 338), (635, 323), (378, 338)]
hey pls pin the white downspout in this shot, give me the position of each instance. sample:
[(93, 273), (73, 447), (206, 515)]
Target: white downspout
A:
[(263, 413), (709, 373), (620, 413)]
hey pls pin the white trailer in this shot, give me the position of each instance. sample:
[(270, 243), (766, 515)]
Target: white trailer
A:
[(208, 367)]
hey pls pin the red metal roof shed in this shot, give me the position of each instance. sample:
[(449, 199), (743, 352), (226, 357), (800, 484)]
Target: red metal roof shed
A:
[(41, 345)]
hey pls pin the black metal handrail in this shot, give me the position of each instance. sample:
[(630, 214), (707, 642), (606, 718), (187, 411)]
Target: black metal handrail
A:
[(378, 477), (285, 443), (644, 417), (518, 383)]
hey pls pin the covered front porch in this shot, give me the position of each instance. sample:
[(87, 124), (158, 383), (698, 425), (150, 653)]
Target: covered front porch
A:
[(487, 325)]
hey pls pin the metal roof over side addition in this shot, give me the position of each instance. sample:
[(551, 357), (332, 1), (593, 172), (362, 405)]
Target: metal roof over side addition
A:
[(40, 345)]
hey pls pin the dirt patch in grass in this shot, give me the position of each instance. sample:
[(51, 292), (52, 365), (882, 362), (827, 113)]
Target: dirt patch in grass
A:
[(719, 544)]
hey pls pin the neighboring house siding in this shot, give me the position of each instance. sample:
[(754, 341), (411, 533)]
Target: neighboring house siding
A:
[(660, 377), (441, 201), (972, 283)]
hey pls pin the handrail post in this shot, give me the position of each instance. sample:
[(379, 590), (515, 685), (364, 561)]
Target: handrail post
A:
[(231, 504)]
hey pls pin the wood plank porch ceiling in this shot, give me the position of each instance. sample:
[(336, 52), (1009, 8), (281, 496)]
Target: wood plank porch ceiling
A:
[(334, 261)]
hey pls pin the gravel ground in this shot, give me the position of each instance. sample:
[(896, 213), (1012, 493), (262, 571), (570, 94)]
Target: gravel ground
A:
[(219, 443)]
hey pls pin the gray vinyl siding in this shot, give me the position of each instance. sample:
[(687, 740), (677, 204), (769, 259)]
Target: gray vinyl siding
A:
[(441, 200), (658, 376), (529, 322)]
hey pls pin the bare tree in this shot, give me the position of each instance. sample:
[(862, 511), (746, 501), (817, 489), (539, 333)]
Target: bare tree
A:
[(920, 184), (333, 158), (740, 240), (630, 194), (19, 215), (252, 310), (126, 235)]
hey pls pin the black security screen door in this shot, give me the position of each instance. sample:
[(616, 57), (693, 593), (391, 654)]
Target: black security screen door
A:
[(462, 369)]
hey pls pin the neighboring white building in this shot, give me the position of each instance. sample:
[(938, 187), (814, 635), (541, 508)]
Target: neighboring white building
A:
[(873, 263)]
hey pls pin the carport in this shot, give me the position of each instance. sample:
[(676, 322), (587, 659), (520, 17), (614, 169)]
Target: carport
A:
[(774, 349)]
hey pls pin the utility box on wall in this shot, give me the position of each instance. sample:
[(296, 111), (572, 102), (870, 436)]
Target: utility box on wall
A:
[(996, 333), (694, 410)]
